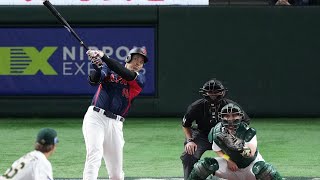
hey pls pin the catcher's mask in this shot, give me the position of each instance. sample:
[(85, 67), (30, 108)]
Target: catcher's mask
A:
[(213, 91), (231, 116), (137, 50)]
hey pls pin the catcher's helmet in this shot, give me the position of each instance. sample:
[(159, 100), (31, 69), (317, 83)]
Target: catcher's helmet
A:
[(231, 115), (213, 90), (137, 50)]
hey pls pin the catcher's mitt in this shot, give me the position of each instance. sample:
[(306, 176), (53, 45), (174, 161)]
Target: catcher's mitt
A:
[(246, 152), (231, 142)]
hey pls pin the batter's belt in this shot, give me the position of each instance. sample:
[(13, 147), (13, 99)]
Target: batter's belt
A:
[(109, 114)]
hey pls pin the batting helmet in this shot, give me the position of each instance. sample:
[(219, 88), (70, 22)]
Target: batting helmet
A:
[(137, 50), (213, 90), (231, 115)]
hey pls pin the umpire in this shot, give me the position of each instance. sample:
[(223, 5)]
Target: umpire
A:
[(204, 112)]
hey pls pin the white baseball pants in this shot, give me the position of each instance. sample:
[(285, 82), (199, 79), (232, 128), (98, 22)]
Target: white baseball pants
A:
[(241, 174), (103, 138)]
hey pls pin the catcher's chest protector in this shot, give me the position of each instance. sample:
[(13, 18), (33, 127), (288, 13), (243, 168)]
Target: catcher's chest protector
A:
[(242, 135)]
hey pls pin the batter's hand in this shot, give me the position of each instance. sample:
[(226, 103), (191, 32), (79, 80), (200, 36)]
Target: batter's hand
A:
[(232, 165), (97, 64), (190, 148), (94, 54)]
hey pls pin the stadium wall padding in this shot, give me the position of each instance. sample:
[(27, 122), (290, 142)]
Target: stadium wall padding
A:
[(267, 57)]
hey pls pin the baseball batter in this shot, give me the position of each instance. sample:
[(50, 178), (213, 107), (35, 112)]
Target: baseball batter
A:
[(102, 126), (236, 145), (35, 165)]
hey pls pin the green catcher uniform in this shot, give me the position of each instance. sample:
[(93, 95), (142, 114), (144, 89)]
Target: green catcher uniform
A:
[(242, 135), (250, 168)]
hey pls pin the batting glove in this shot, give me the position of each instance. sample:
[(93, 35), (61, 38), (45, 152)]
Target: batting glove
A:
[(96, 64), (95, 57), (94, 54)]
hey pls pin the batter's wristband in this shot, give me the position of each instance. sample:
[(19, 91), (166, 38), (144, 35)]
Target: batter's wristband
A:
[(190, 140), (226, 157)]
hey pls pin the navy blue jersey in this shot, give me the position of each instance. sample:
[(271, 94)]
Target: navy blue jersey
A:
[(115, 94)]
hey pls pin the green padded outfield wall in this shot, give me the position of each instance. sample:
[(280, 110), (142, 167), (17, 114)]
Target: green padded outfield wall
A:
[(268, 57)]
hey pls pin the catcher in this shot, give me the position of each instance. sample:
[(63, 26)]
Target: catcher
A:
[(201, 116), (236, 145)]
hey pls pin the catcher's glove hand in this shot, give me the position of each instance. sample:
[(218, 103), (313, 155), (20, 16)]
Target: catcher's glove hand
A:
[(233, 143), (246, 152)]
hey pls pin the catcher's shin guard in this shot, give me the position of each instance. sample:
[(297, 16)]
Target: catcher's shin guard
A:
[(265, 171), (203, 168)]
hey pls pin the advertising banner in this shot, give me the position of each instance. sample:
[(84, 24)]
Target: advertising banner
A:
[(108, 2), (50, 61)]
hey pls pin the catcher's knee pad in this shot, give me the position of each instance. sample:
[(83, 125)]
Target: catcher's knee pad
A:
[(265, 171), (203, 168)]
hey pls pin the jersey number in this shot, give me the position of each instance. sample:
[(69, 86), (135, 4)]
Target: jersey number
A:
[(13, 170), (125, 92)]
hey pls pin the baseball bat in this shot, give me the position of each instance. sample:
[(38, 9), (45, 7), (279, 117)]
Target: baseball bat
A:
[(56, 13)]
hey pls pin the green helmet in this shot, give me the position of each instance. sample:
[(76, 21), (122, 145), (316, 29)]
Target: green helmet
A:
[(230, 116)]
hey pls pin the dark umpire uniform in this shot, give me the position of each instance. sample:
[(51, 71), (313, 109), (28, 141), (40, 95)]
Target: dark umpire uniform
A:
[(204, 112)]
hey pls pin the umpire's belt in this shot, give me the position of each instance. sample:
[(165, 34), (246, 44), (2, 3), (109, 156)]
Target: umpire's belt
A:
[(108, 114)]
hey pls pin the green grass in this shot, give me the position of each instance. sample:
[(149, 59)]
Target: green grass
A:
[(153, 146)]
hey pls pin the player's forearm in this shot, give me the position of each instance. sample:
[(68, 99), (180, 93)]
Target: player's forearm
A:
[(119, 68), (187, 132), (223, 155)]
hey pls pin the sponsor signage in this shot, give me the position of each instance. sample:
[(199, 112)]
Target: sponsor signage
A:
[(50, 61)]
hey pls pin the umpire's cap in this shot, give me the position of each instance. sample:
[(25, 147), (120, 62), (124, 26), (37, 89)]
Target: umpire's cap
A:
[(47, 136)]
